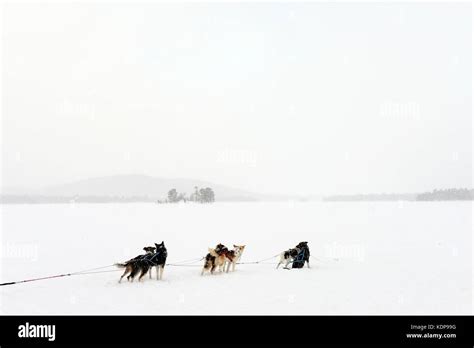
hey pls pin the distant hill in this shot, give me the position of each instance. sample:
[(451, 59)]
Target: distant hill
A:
[(127, 188)]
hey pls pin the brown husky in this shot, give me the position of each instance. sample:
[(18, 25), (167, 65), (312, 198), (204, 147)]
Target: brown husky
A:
[(233, 256), (215, 258)]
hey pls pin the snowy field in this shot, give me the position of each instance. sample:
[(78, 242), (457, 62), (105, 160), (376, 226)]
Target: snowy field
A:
[(369, 258)]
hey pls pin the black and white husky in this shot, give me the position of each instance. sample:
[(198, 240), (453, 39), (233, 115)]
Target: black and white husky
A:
[(297, 256), (159, 260), (287, 257), (142, 264)]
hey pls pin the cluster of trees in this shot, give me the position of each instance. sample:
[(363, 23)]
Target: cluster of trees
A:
[(203, 195), (175, 197), (452, 194)]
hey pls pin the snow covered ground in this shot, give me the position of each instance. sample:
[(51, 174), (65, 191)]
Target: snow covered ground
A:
[(372, 258)]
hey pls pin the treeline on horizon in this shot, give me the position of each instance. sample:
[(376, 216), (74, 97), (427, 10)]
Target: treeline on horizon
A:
[(206, 195), (371, 197), (452, 194), (39, 199), (203, 195)]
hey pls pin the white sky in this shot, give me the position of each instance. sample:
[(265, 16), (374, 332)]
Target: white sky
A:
[(270, 97)]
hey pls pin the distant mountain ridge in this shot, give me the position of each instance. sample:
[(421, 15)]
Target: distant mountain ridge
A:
[(129, 188)]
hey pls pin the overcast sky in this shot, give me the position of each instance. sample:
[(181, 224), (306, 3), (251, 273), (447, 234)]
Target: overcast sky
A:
[(284, 98)]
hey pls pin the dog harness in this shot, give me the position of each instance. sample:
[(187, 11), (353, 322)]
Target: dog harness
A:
[(298, 262), (151, 260)]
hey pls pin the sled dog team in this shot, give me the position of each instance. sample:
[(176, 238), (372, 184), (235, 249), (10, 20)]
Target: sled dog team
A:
[(217, 258)]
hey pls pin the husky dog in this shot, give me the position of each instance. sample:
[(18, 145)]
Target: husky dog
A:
[(155, 256), (287, 257), (158, 260), (233, 256), (215, 258), (149, 251), (133, 266), (297, 256)]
